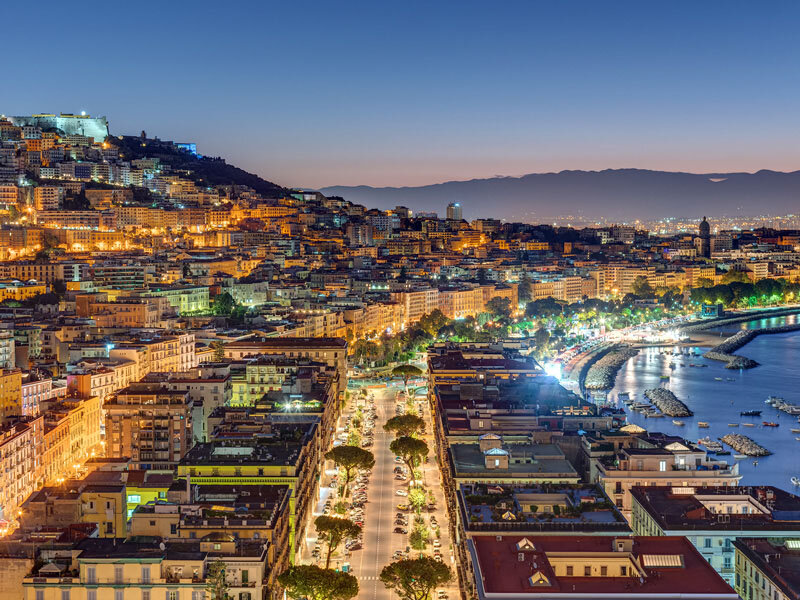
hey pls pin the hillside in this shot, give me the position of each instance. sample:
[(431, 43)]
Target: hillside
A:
[(213, 171), (621, 194)]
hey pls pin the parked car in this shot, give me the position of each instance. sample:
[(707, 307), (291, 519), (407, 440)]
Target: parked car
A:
[(401, 493), (400, 530)]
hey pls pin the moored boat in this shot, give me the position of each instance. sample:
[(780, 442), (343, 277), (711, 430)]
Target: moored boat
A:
[(702, 424), (769, 424), (750, 413), (677, 422)]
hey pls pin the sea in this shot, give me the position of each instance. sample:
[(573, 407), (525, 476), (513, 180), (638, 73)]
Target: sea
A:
[(719, 402)]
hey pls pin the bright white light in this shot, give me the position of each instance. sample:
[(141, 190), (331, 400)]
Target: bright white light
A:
[(553, 369)]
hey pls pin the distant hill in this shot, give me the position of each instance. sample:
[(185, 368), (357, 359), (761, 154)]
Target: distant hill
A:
[(616, 194), (213, 171)]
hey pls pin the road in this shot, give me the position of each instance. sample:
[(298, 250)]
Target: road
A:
[(379, 540)]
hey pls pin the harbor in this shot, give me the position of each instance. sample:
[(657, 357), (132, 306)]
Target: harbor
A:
[(768, 395)]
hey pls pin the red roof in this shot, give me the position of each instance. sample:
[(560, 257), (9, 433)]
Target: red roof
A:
[(502, 572)]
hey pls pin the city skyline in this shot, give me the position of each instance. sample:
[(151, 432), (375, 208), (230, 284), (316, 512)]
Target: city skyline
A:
[(358, 96)]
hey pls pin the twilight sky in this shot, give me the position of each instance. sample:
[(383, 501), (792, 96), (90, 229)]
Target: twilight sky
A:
[(408, 93)]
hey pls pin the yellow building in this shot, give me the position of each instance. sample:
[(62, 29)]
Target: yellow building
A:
[(10, 393), (104, 569), (16, 290)]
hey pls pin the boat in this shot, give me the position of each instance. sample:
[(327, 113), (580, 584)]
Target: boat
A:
[(740, 456), (677, 422), (623, 396), (797, 438), (795, 480), (748, 424), (769, 424), (750, 413), (724, 453), (717, 378), (730, 379), (702, 425), (795, 430), (733, 424)]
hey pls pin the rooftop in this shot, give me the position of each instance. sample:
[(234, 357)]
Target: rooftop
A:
[(761, 508), (551, 566), (779, 559)]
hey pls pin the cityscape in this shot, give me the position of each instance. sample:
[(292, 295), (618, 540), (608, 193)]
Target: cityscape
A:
[(415, 378)]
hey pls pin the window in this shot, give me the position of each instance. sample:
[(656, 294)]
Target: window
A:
[(172, 595), (662, 465), (707, 543), (569, 570), (134, 498), (623, 571), (91, 575), (145, 594), (244, 595), (64, 594), (108, 505), (727, 563), (173, 528), (145, 573), (109, 527), (587, 571), (119, 594), (603, 571), (91, 594)]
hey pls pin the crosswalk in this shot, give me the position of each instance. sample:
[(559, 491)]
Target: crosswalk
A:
[(368, 578)]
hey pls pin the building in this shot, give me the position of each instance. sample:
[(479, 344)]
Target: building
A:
[(150, 424), (767, 568), (110, 569), (454, 212), (568, 566), (713, 518), (657, 460)]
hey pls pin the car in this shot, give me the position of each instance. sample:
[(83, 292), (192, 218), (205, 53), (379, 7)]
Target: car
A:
[(402, 506), (401, 493), (401, 478), (400, 530)]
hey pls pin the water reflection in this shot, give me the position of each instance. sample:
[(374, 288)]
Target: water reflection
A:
[(717, 395)]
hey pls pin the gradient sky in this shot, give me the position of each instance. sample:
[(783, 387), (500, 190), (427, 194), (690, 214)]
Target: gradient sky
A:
[(408, 93)]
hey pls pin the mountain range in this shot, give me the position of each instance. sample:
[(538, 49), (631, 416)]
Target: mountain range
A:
[(613, 194)]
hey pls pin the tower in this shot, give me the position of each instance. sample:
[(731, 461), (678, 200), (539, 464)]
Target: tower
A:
[(454, 211), (705, 239)]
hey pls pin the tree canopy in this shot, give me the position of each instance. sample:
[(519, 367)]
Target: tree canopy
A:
[(404, 425), (411, 450), (334, 530), (416, 578), (350, 458), (315, 583)]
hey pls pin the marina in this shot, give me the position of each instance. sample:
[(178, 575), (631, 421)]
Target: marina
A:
[(717, 404)]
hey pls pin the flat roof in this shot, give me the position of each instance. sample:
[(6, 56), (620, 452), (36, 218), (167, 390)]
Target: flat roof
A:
[(669, 566)]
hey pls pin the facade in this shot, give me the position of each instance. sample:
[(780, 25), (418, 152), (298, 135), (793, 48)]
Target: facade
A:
[(713, 518)]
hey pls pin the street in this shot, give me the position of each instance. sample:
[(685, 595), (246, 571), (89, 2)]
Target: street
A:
[(380, 541)]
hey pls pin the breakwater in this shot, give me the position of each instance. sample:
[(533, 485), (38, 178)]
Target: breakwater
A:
[(744, 445), (750, 316), (602, 373), (724, 352), (667, 403)]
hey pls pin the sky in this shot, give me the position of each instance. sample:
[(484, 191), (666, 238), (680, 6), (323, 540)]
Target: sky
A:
[(410, 93)]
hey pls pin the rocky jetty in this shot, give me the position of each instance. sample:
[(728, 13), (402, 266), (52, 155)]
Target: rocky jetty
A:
[(667, 403), (744, 445), (724, 352), (601, 374)]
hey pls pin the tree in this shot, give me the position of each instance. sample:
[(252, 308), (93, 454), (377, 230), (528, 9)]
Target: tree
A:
[(223, 304), (524, 292), (704, 282), (59, 287), (419, 536), (641, 287), (417, 498), (411, 450), (315, 583), (433, 322), (416, 578), (334, 530), (218, 346), (404, 425), (216, 583), (499, 307), (406, 372), (540, 338), (350, 458), (481, 275)]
